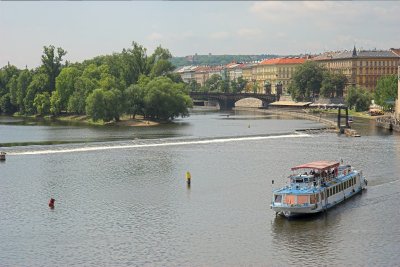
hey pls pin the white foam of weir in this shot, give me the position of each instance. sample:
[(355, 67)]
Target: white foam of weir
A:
[(209, 141)]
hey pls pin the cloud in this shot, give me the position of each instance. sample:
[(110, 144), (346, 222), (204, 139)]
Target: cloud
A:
[(155, 36), (248, 32), (219, 35), (324, 10)]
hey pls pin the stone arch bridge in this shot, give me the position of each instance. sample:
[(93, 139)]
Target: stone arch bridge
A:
[(227, 101)]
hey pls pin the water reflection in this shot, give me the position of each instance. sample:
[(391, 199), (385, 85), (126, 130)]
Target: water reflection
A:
[(305, 239)]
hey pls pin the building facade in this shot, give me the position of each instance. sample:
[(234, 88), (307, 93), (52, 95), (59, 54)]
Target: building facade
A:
[(275, 72), (187, 73), (362, 68)]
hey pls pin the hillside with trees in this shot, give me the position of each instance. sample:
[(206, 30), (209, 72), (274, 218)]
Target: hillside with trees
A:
[(216, 60), (105, 87)]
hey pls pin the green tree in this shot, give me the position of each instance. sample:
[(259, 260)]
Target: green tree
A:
[(306, 81), (55, 103), (223, 86), (134, 63), (327, 86), (386, 91), (5, 104), (193, 86), (65, 85), (95, 105), (39, 84), (358, 98), (166, 100), (255, 88), (13, 90), (24, 79), (241, 84), (6, 74), (51, 63), (213, 83), (114, 105), (42, 103), (159, 62), (339, 81), (135, 100), (175, 77), (77, 102)]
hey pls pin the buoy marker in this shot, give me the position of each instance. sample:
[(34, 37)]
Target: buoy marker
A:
[(188, 178), (51, 203)]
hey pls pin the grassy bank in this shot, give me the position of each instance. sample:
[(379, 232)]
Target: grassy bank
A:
[(352, 113), (125, 120)]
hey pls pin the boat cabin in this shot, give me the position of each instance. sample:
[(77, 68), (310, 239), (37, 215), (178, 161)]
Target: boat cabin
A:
[(3, 155), (314, 173)]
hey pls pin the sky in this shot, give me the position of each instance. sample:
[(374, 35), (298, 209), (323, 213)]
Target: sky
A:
[(86, 29)]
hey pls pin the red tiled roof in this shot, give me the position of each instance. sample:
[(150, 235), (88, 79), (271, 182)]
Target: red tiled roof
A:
[(276, 61)]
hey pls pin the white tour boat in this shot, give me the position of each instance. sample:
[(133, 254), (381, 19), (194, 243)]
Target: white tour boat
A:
[(317, 186)]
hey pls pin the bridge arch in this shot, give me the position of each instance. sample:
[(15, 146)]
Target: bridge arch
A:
[(227, 101)]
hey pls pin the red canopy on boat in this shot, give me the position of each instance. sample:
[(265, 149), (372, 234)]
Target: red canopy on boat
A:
[(318, 165)]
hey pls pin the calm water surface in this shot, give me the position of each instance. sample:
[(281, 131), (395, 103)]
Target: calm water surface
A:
[(121, 197)]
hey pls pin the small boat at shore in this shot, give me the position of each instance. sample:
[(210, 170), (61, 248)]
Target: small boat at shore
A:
[(317, 186)]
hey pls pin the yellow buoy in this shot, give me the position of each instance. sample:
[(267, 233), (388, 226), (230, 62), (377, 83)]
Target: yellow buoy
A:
[(188, 177)]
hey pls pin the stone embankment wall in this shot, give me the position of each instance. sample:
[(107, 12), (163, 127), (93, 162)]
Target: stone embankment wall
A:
[(388, 122)]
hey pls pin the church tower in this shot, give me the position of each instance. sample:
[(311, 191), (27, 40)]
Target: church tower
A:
[(354, 52)]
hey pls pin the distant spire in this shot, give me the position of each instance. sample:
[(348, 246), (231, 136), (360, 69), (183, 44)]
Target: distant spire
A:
[(354, 51)]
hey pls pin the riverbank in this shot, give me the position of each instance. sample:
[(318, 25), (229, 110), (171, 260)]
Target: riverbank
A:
[(352, 113), (125, 120)]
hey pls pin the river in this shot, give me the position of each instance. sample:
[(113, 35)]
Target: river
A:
[(122, 199)]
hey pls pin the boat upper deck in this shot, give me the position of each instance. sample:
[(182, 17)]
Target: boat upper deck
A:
[(323, 174), (322, 165)]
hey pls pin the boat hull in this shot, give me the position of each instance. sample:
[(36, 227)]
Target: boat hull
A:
[(296, 210)]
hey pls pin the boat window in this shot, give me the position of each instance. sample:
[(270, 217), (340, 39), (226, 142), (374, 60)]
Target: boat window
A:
[(306, 180), (289, 199), (302, 199), (299, 180), (322, 196), (313, 199), (278, 198)]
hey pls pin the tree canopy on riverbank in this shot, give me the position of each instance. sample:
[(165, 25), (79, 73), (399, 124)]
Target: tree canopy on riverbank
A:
[(311, 80), (104, 88)]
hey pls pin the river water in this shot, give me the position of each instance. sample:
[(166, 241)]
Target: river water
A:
[(122, 199)]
